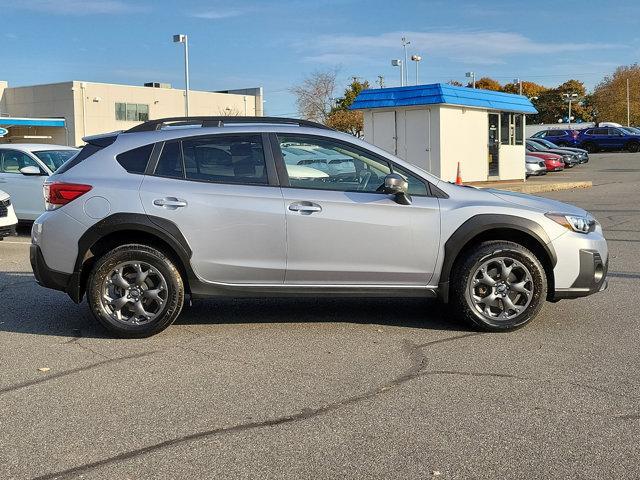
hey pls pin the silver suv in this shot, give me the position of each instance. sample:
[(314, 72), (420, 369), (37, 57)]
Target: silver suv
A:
[(175, 209)]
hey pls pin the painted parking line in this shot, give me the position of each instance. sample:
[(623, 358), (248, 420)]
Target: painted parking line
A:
[(9, 241)]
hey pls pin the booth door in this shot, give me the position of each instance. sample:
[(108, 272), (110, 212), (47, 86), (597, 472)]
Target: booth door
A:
[(417, 147), (494, 144), (384, 131)]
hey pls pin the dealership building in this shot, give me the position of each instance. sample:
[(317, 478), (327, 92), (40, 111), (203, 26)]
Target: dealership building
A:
[(439, 127), (64, 113)]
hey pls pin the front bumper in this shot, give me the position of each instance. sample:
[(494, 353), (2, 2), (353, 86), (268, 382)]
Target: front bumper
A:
[(591, 276)]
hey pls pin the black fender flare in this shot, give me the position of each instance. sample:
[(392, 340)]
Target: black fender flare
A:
[(478, 224), (164, 229)]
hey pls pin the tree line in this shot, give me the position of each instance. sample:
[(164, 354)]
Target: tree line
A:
[(316, 100)]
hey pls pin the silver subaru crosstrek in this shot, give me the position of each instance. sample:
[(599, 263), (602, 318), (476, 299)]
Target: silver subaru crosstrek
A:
[(184, 208)]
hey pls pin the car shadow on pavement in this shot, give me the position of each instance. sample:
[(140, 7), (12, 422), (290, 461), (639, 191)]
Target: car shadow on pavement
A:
[(28, 308)]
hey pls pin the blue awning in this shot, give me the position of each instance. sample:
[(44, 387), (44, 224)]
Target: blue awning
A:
[(440, 93), (31, 122)]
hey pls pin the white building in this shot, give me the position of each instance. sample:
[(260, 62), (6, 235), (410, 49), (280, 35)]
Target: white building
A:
[(63, 113), (438, 126)]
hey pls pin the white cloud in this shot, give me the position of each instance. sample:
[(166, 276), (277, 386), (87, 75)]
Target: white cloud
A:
[(76, 7), (218, 14), (470, 47)]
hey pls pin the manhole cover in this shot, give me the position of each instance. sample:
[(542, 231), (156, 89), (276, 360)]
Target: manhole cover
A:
[(620, 170)]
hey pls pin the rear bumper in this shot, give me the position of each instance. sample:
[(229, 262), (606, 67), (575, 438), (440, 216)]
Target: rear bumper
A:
[(591, 277), (49, 278)]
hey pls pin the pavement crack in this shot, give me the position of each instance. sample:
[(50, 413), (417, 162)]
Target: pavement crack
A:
[(55, 376), (417, 364)]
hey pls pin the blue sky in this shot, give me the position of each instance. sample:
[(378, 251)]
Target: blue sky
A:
[(275, 44)]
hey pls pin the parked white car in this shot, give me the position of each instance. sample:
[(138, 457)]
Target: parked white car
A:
[(23, 170), (534, 166), (8, 218)]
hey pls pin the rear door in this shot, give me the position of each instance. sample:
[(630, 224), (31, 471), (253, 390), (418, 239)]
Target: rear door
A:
[(25, 190), (222, 193), (342, 231), (616, 139)]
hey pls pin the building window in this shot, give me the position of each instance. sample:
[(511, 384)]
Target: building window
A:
[(132, 112), (511, 128)]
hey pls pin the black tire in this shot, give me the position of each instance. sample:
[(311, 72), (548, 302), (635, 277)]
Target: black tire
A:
[(633, 147), (461, 299), (590, 147), (168, 307), (562, 144)]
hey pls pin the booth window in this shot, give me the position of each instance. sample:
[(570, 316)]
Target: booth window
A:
[(511, 128), (132, 112)]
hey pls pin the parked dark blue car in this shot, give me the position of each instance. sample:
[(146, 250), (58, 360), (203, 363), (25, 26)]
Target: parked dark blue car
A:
[(608, 138), (561, 137)]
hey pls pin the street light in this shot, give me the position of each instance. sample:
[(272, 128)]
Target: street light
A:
[(472, 76), (405, 42), (398, 63), (570, 97), (416, 58), (518, 82), (181, 38)]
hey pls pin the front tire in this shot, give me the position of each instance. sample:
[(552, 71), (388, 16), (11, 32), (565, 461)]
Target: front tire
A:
[(135, 291), (590, 147), (498, 286), (633, 147)]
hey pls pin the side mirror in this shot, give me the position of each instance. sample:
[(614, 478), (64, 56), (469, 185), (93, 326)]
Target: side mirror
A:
[(31, 171), (395, 184)]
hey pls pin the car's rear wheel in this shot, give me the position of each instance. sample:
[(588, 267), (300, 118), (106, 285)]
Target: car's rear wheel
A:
[(135, 291), (498, 286), (590, 147)]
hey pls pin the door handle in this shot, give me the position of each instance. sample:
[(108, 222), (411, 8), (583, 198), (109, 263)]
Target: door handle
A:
[(170, 203), (305, 208)]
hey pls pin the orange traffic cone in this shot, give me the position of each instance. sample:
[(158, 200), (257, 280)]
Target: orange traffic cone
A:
[(458, 176)]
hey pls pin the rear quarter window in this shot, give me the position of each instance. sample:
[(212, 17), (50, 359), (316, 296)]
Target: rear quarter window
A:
[(136, 160)]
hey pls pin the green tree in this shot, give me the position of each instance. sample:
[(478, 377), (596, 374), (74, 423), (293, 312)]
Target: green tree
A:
[(609, 99), (552, 106), (343, 119)]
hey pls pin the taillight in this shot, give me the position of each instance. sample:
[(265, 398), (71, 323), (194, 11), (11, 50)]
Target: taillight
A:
[(57, 194)]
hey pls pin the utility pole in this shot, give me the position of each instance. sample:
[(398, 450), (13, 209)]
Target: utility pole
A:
[(519, 83), (570, 97), (380, 81), (181, 38), (472, 76), (405, 42), (396, 62), (628, 106)]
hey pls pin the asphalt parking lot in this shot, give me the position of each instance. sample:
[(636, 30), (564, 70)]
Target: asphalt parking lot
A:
[(331, 388)]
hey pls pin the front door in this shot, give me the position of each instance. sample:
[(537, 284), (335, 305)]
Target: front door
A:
[(342, 231), (25, 190), (494, 145), (223, 197)]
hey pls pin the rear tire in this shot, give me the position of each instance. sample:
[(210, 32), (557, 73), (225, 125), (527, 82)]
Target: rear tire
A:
[(590, 147), (135, 291), (498, 286)]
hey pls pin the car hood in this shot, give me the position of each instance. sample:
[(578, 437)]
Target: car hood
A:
[(536, 203)]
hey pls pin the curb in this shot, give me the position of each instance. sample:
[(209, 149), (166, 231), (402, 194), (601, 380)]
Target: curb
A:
[(539, 187)]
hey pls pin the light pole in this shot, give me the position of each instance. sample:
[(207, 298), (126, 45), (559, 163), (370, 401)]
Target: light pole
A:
[(570, 97), (405, 42), (398, 63), (472, 76), (416, 58), (628, 106), (181, 38), (518, 82)]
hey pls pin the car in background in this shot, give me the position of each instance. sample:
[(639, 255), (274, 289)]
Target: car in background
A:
[(534, 166), (23, 170), (608, 138), (561, 137), (582, 154), (8, 218), (570, 159), (552, 161)]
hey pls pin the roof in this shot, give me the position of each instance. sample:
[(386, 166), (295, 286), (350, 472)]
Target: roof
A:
[(34, 147), (31, 122), (440, 93)]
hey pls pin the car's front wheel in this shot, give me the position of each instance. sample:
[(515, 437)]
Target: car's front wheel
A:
[(135, 291), (498, 286)]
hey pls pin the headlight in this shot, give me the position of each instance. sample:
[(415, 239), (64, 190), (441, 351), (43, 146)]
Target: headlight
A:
[(577, 223)]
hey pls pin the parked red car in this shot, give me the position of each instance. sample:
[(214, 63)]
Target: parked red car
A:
[(553, 162)]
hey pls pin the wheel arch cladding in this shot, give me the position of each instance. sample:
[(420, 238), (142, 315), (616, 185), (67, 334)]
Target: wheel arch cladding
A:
[(121, 228), (485, 227)]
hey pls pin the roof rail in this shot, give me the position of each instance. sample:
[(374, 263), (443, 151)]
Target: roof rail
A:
[(203, 122)]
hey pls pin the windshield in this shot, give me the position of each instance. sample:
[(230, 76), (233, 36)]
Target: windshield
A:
[(532, 147), (55, 158)]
